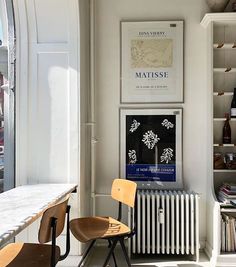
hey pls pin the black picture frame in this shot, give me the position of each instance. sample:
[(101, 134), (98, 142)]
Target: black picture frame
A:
[(151, 147)]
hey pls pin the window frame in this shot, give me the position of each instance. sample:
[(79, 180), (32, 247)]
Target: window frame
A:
[(9, 95)]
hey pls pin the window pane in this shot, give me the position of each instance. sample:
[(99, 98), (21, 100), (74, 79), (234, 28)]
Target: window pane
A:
[(7, 98), (1, 134)]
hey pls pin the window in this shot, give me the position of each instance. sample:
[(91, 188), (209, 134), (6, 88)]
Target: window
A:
[(7, 96), (1, 135)]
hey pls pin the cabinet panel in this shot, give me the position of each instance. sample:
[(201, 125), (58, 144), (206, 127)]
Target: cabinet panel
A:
[(57, 28), (53, 110), (224, 58), (221, 105), (224, 33), (224, 81)]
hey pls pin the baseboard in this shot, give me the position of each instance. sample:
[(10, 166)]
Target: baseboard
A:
[(202, 244), (208, 250)]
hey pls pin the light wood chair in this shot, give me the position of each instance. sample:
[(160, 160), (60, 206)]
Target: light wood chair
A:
[(41, 255), (89, 229)]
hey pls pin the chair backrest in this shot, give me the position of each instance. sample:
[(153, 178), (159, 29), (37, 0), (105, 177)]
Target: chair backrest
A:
[(57, 211), (124, 191)]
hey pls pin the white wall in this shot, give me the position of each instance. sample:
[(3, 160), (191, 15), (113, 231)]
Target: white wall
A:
[(51, 45), (108, 14)]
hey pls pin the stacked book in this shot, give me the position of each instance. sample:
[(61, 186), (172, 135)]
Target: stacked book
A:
[(228, 234), (227, 193)]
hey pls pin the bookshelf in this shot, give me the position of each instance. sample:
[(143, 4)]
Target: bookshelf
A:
[(221, 81)]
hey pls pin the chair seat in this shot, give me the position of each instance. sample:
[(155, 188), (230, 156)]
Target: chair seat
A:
[(27, 255), (90, 228)]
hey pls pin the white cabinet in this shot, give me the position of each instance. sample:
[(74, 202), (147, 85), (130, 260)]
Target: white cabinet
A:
[(221, 53)]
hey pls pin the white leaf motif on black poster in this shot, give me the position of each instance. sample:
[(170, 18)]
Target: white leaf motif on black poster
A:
[(132, 156), (167, 124), (167, 155), (134, 126), (150, 139)]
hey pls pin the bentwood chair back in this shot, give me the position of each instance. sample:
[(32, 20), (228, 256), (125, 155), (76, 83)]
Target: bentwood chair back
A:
[(41, 255), (89, 229), (124, 191), (45, 231)]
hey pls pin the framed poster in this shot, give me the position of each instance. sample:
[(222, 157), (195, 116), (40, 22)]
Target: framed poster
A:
[(152, 61), (151, 147)]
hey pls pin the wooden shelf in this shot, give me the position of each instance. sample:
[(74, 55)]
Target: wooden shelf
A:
[(226, 206), (225, 170), (225, 46), (228, 255), (223, 119), (224, 145), (228, 209), (222, 93), (224, 70)]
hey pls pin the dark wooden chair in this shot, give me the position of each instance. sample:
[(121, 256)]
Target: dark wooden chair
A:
[(89, 229), (40, 255)]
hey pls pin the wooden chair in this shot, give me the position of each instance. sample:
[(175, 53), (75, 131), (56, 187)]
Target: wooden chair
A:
[(40, 255), (89, 229)]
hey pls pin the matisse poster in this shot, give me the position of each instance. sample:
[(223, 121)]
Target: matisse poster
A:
[(152, 61), (151, 151)]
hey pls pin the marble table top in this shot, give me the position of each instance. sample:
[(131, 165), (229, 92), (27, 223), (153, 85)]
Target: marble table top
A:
[(22, 205)]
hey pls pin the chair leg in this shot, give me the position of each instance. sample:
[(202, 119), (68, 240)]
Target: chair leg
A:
[(86, 253), (113, 253), (110, 252), (124, 251)]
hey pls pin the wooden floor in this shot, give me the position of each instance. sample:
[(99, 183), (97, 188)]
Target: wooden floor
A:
[(98, 255)]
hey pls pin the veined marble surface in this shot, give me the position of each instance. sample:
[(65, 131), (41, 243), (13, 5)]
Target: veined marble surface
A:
[(22, 205)]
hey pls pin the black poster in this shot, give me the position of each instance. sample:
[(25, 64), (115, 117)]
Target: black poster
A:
[(151, 147)]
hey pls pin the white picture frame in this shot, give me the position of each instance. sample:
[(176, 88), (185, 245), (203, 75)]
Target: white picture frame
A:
[(156, 164), (152, 62)]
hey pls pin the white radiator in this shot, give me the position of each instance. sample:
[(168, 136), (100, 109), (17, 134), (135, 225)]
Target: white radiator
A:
[(167, 222)]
